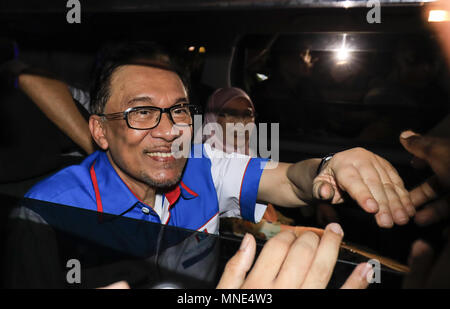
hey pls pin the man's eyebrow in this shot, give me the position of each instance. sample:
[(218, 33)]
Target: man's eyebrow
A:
[(140, 99), (182, 100), (149, 100)]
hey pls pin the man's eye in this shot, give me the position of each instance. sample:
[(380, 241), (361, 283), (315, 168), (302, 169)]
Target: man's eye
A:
[(143, 113), (180, 111), (146, 112)]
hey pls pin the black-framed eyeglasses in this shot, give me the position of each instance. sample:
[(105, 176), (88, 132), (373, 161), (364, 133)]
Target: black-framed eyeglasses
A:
[(148, 117)]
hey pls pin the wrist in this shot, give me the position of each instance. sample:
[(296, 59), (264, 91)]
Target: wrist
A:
[(325, 160)]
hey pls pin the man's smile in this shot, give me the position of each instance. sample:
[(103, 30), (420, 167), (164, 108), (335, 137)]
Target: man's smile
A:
[(161, 156)]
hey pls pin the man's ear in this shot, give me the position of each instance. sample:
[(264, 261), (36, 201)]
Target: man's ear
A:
[(97, 129)]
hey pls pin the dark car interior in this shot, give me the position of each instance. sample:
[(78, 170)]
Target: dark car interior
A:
[(331, 79)]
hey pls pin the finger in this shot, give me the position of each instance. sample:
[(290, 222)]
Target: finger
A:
[(415, 144), (237, 267), (399, 186), (396, 207), (427, 148), (351, 181), (433, 212), (423, 193), (323, 191), (116, 286), (398, 213), (270, 259), (322, 267), (298, 261), (374, 184), (420, 261), (359, 278), (323, 188), (434, 150), (406, 200)]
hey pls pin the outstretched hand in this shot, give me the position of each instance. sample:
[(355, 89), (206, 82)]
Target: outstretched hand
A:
[(435, 152), (370, 180), (288, 261)]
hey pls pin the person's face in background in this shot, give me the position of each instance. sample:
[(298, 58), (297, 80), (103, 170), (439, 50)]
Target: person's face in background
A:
[(236, 111)]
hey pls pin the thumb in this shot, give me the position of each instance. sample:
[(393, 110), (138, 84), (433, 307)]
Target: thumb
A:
[(434, 150), (117, 286), (323, 190), (415, 144), (237, 267)]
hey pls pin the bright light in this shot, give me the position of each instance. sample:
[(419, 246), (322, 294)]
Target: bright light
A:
[(436, 16), (191, 48), (202, 50), (261, 77), (342, 55)]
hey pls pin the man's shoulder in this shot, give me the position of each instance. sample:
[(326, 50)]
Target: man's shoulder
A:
[(70, 186)]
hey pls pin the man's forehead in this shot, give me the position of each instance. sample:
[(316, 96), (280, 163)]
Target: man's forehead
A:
[(129, 81), (128, 74)]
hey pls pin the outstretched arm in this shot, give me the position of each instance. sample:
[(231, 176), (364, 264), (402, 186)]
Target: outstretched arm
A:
[(369, 179), (54, 99)]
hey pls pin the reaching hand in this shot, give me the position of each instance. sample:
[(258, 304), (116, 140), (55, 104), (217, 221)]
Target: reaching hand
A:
[(435, 152), (370, 180), (287, 261)]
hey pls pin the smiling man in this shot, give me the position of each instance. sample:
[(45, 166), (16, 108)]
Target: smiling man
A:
[(139, 148), (137, 100)]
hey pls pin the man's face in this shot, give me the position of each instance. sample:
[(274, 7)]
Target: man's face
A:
[(144, 156)]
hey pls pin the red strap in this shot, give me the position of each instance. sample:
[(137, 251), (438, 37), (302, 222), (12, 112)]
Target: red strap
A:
[(173, 195), (187, 189), (97, 191)]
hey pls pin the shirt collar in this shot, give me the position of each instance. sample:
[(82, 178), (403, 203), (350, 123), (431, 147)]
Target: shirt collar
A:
[(117, 196)]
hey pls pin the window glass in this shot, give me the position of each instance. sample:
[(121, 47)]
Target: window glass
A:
[(364, 87)]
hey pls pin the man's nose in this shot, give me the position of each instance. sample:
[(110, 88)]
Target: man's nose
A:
[(165, 129)]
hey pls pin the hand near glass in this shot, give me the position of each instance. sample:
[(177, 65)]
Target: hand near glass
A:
[(435, 152), (427, 269), (291, 262)]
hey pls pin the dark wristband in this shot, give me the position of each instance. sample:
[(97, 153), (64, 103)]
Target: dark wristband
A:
[(323, 161)]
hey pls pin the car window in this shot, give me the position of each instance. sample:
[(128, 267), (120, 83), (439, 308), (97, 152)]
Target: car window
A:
[(363, 87)]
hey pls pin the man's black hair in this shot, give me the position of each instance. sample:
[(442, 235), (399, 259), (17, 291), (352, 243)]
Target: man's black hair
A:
[(115, 55)]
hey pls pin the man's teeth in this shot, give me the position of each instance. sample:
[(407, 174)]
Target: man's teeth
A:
[(160, 154)]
